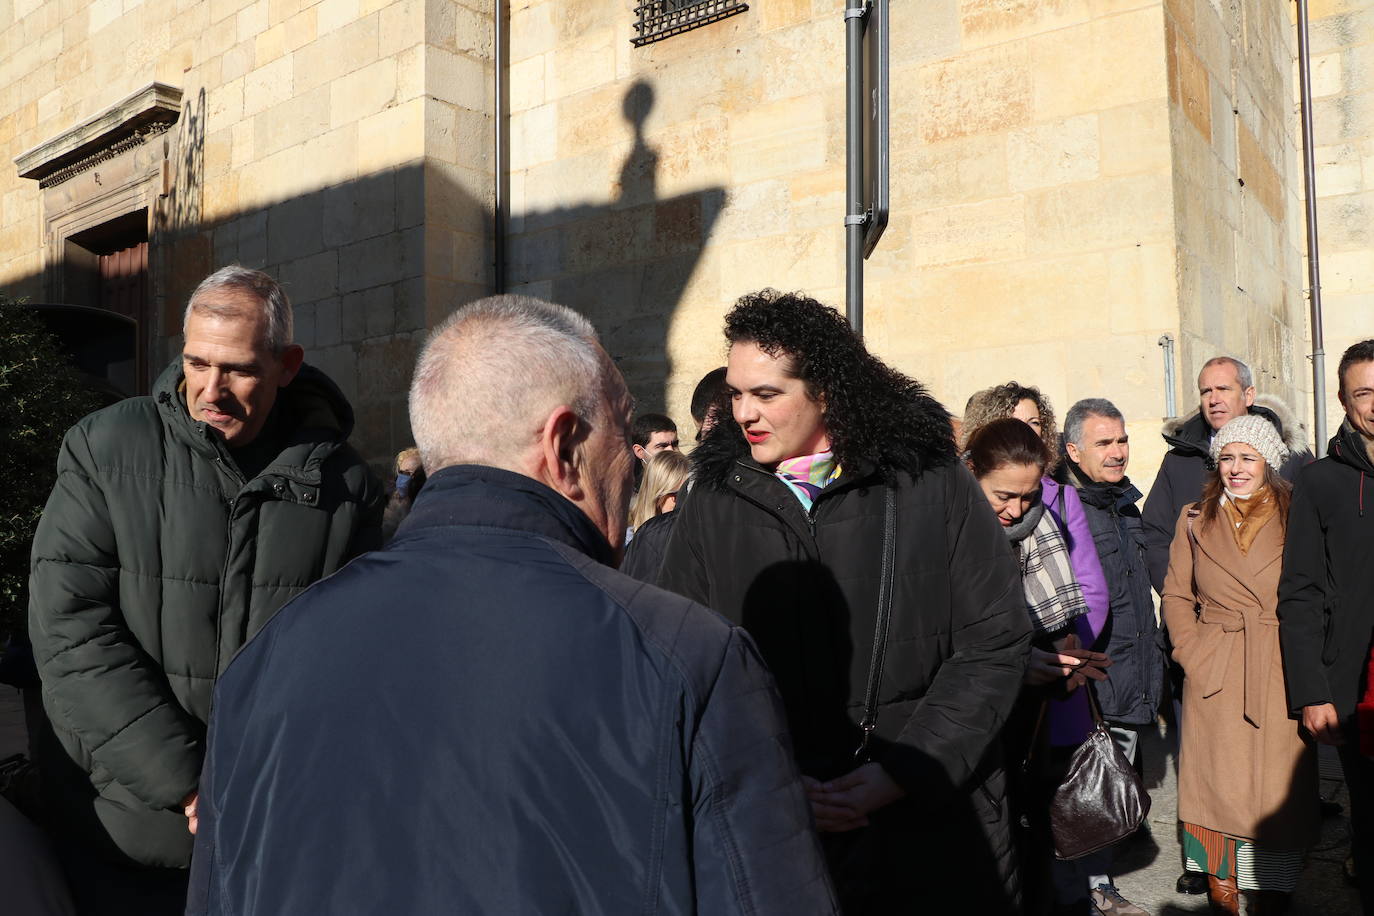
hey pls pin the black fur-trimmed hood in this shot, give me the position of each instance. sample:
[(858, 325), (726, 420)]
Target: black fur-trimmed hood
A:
[(920, 440), (1190, 434)]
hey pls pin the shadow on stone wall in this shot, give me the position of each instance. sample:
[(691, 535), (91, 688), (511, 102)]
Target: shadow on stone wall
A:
[(372, 262), (625, 262)]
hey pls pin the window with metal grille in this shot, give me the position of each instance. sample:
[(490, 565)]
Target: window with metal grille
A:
[(659, 19)]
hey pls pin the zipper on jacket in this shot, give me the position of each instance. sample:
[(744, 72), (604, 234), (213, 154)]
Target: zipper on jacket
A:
[(230, 504), (777, 511)]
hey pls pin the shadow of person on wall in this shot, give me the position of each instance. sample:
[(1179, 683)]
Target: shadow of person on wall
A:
[(624, 263)]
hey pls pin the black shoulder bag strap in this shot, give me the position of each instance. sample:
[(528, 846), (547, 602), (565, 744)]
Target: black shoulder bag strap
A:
[(875, 667)]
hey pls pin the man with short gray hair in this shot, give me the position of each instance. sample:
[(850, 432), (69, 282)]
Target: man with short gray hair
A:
[(1097, 451), (179, 524), (541, 734), (1226, 390)]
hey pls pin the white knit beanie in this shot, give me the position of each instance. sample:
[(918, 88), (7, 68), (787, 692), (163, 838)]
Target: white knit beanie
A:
[(1256, 432)]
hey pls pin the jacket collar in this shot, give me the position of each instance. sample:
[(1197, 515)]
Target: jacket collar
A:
[(1097, 494), (1348, 447), (312, 415), (480, 496), (1192, 436)]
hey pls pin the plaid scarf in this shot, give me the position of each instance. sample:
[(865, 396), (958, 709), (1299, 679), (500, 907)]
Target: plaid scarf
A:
[(1053, 596), (807, 475)]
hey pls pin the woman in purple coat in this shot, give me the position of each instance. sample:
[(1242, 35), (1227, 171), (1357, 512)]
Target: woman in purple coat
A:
[(1066, 597)]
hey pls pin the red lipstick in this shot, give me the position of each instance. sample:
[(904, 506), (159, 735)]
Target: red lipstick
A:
[(755, 436)]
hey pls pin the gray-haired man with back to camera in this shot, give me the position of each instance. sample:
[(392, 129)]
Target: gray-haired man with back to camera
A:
[(549, 736)]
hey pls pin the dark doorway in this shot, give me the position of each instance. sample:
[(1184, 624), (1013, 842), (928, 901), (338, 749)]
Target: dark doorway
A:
[(106, 267)]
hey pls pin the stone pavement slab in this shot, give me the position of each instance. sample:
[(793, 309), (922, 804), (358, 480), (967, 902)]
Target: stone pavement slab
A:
[(1149, 866)]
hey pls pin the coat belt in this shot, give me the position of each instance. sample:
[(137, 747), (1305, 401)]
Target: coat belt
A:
[(1256, 655)]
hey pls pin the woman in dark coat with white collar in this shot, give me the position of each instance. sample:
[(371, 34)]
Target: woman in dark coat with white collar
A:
[(783, 532)]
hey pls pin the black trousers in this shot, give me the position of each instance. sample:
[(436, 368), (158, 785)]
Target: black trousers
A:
[(1359, 781), (102, 888)]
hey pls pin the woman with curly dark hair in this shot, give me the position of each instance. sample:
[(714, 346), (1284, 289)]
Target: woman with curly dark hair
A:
[(784, 532), (1024, 402)]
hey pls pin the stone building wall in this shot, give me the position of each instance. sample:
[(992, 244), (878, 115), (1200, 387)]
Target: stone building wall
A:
[(1342, 44), (342, 145), (1238, 217), (1067, 178), (1032, 234)]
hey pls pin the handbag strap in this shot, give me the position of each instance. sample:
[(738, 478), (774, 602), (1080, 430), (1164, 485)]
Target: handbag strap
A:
[(1093, 705), (875, 665)]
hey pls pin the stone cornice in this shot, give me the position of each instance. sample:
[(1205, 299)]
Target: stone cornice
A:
[(151, 109)]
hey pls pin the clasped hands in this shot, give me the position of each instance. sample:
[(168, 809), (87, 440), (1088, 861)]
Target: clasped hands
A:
[(1069, 662), (845, 803)]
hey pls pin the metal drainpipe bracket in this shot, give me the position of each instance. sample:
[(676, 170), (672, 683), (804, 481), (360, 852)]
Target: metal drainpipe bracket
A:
[(856, 12), (857, 219)]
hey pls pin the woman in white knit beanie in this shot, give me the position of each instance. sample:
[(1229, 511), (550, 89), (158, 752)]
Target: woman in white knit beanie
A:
[(1247, 782)]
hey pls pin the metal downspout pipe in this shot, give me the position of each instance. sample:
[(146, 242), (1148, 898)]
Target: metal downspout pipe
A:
[(501, 150), (1170, 378), (854, 167), (1313, 265)]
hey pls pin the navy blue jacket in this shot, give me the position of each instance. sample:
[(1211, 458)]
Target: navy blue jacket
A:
[(484, 718), (1132, 640)]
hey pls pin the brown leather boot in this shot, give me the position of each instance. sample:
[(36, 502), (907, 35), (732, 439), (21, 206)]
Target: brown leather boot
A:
[(1224, 896), (1267, 903)]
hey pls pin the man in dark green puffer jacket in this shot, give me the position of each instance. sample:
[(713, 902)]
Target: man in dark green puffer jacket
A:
[(178, 526)]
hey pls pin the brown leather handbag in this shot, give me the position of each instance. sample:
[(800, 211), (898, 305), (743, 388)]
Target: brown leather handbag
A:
[(1101, 799)]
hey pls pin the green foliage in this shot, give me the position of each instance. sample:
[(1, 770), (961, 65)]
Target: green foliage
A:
[(41, 395)]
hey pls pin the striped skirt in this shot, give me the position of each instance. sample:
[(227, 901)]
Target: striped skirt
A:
[(1256, 868)]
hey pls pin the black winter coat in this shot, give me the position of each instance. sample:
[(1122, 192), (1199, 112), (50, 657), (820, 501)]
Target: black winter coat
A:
[(153, 563), (483, 718), (1184, 472), (1326, 595), (806, 588), (644, 553), (1132, 640)]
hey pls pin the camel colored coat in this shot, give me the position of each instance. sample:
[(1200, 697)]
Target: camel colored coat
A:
[(1244, 770)]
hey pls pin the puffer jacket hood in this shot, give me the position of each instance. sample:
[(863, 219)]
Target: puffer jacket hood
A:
[(315, 411), (921, 440), (1191, 435)]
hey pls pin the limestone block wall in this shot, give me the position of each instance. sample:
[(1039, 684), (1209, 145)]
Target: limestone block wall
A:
[(1238, 217), (1342, 43), (340, 144), (1032, 235)]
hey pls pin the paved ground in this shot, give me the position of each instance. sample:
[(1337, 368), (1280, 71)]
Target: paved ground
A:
[(1146, 872)]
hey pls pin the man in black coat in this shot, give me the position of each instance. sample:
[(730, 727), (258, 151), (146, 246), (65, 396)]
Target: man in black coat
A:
[(487, 718), (1326, 597), (1226, 390)]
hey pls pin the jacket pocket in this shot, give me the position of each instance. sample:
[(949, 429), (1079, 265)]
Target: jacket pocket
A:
[(1331, 640)]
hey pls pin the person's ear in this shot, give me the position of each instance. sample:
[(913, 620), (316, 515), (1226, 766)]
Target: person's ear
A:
[(560, 446), (1250, 396), (292, 358), (640, 453), (1074, 454)]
